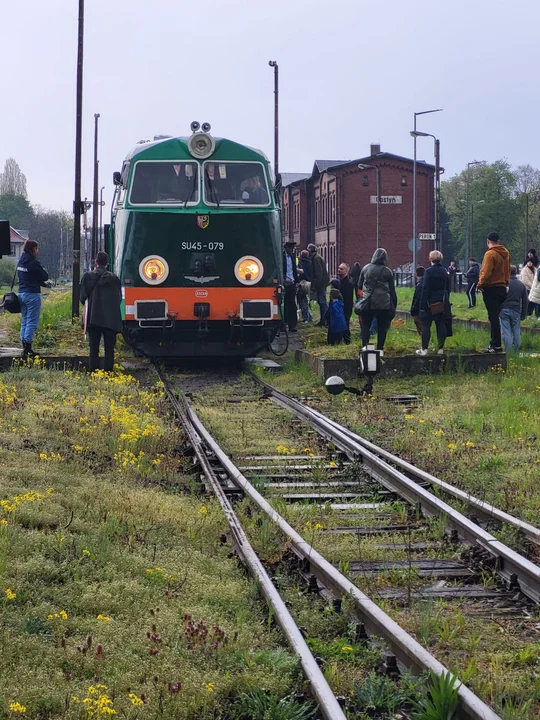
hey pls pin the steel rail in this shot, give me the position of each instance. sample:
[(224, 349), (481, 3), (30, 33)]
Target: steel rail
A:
[(510, 565), (407, 650), (328, 704), (485, 510)]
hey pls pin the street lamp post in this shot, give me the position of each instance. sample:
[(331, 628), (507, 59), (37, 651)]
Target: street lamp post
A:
[(377, 169), (102, 239), (437, 152), (274, 64), (95, 243), (76, 273), (467, 246), (415, 233)]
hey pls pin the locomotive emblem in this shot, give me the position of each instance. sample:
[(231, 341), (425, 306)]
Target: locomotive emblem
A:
[(203, 221), (201, 293)]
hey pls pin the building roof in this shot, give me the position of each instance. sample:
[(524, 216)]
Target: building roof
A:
[(322, 165), (289, 178), (379, 156), (18, 236)]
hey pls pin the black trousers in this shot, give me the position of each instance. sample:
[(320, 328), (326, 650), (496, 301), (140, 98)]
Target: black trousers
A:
[(384, 320), (290, 309), (493, 300), (471, 293), (109, 341), (440, 323), (347, 333)]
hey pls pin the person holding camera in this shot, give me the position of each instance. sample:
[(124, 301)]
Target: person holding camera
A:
[(32, 277)]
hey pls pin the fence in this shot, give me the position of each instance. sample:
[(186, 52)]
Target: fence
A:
[(458, 281)]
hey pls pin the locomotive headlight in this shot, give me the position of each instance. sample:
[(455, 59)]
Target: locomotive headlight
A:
[(201, 145), (248, 270), (154, 269)]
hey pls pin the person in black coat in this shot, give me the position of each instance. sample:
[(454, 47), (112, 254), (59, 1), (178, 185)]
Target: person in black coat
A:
[(32, 277), (434, 302), (304, 263), (415, 305), (346, 288), (472, 275), (531, 255), (290, 275), (355, 275), (102, 292)]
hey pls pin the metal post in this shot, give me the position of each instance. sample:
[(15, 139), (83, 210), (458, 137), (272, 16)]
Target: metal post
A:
[(437, 228), (274, 64), (378, 169), (78, 143), (101, 238), (472, 235), (467, 253), (95, 195), (414, 261), (526, 225)]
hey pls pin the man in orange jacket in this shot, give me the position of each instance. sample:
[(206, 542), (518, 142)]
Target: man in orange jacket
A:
[(493, 282)]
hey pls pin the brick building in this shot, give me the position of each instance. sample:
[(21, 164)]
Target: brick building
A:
[(336, 208)]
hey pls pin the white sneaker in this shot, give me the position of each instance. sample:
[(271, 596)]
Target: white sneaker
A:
[(421, 352), (381, 353), (440, 352)]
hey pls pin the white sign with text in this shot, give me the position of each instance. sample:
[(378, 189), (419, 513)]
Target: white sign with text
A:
[(387, 199)]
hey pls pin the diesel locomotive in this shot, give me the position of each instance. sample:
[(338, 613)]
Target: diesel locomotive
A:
[(195, 239)]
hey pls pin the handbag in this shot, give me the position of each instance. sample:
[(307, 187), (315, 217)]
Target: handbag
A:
[(363, 305), (10, 301), (436, 308)]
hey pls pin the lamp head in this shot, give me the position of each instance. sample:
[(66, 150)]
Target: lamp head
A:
[(272, 63)]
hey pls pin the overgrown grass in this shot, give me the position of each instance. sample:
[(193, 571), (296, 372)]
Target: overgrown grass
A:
[(115, 589)]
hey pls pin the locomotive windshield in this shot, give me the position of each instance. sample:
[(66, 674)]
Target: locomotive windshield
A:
[(165, 183), (235, 183)]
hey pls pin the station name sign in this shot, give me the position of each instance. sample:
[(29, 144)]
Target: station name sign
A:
[(387, 199)]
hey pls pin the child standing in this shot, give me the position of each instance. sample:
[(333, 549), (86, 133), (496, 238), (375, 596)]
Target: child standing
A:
[(337, 323)]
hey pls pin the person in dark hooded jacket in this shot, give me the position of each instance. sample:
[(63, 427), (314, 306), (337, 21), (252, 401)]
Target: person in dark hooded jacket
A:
[(32, 277), (379, 297), (103, 291)]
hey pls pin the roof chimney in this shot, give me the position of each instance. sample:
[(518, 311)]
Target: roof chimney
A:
[(374, 149)]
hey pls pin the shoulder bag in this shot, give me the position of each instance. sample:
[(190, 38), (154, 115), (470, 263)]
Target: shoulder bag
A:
[(10, 301)]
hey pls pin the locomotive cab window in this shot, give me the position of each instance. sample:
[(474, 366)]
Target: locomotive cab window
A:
[(165, 183), (235, 183)]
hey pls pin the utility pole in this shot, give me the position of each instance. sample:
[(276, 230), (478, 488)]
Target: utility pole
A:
[(78, 148), (274, 64), (437, 227), (95, 196), (102, 239)]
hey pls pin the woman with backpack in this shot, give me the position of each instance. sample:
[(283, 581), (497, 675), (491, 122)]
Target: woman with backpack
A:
[(379, 299)]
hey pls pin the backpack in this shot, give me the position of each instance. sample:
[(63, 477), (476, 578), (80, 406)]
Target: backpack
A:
[(10, 301)]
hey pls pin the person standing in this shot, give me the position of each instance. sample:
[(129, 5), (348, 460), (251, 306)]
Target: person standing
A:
[(346, 288), (452, 272), (355, 274), (103, 291), (415, 305), (472, 275), (493, 281), (302, 296), (32, 277), (290, 275), (531, 255), (534, 295), (434, 302), (337, 324), (379, 299), (513, 311), (304, 263), (526, 276), (319, 280)]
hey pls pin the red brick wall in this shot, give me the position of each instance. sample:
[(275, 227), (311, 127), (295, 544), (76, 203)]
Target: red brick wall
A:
[(358, 217)]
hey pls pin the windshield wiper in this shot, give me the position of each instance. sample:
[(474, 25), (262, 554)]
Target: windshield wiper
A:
[(211, 186), (190, 198)]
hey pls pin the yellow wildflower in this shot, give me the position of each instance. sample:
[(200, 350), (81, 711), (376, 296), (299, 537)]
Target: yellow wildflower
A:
[(16, 707), (203, 510), (104, 618), (135, 700), (86, 552), (210, 687), (347, 649), (10, 594)]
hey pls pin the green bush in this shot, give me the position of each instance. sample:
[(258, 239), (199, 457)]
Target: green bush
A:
[(7, 268)]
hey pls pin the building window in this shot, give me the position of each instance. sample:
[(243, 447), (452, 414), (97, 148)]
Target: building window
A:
[(403, 180), (365, 181)]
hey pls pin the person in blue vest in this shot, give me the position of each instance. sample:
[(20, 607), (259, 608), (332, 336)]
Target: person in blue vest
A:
[(290, 275), (32, 277)]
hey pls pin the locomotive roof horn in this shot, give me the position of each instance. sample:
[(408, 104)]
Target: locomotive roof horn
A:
[(195, 126)]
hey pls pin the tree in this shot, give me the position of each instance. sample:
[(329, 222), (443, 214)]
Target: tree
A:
[(17, 210), (12, 180), (45, 229)]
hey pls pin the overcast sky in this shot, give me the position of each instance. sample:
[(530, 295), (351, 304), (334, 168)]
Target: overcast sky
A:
[(352, 72)]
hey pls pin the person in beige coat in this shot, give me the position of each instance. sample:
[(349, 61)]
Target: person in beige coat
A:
[(527, 278), (534, 294)]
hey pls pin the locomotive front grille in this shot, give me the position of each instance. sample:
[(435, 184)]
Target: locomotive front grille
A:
[(150, 310), (256, 310)]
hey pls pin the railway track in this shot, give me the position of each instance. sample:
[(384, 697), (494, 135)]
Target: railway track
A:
[(356, 496)]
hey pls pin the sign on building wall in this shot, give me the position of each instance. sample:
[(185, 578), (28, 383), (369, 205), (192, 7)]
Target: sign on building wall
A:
[(387, 199)]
